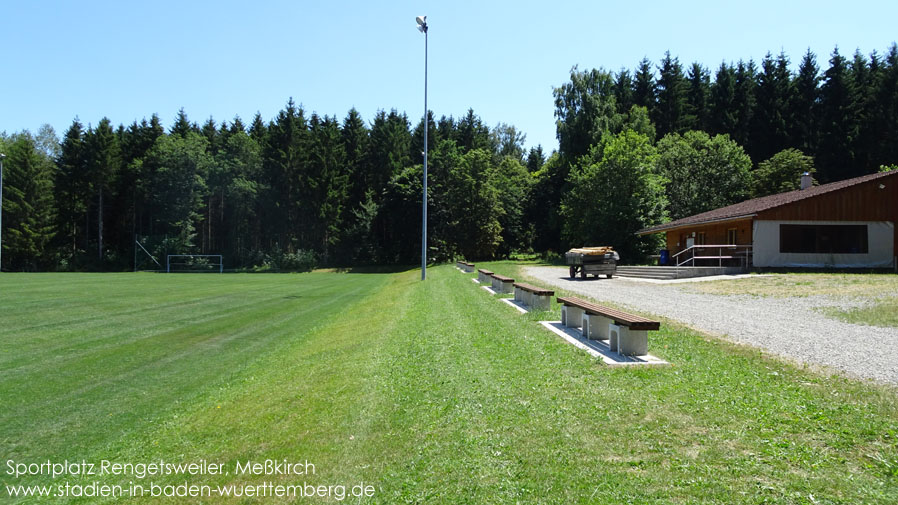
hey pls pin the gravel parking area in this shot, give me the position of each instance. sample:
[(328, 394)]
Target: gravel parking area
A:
[(792, 328)]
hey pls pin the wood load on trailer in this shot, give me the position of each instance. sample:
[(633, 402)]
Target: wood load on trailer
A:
[(592, 261)]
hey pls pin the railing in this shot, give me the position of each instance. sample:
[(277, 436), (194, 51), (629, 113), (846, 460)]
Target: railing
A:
[(687, 256)]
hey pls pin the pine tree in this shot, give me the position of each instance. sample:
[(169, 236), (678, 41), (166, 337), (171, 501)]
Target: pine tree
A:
[(103, 163), (27, 205), (182, 125), (644, 86), (623, 90), (433, 135), (864, 78), (744, 102), (770, 121), (804, 105), (71, 189), (698, 97), (473, 134), (258, 130), (286, 155), (355, 144), (886, 116), (671, 114), (838, 122), (535, 159), (210, 131), (389, 148), (723, 99), (328, 183)]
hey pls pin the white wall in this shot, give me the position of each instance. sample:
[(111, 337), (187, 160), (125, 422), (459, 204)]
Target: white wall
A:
[(880, 235)]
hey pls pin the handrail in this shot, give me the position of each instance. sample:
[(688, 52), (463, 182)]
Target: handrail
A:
[(692, 249)]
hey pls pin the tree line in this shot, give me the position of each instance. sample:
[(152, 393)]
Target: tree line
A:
[(638, 148), (301, 190), (298, 191)]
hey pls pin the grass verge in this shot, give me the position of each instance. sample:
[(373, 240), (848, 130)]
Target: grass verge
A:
[(854, 285)]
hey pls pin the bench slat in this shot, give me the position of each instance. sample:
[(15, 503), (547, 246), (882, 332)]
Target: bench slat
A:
[(484, 271), (502, 278), (620, 317)]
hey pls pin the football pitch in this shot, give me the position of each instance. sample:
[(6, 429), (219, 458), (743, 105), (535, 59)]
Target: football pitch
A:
[(421, 392)]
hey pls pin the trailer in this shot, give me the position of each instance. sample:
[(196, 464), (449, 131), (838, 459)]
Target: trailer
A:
[(593, 261)]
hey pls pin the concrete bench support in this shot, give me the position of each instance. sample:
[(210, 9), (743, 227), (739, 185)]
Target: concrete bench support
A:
[(540, 302), (502, 284), (595, 327), (628, 342), (571, 317)]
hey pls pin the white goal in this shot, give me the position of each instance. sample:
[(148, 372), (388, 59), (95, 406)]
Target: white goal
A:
[(194, 263)]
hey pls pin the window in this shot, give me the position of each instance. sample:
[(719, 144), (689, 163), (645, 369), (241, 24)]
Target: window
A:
[(824, 238), (731, 236)]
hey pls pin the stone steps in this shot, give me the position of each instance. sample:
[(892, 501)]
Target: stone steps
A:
[(667, 273)]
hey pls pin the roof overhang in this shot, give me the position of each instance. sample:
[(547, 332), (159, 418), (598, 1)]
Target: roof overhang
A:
[(673, 226)]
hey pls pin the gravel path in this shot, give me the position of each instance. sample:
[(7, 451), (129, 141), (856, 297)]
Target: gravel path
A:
[(791, 328)]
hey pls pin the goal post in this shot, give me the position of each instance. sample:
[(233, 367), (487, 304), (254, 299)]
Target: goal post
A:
[(194, 263)]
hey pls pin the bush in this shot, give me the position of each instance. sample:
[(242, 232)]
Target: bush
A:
[(299, 261)]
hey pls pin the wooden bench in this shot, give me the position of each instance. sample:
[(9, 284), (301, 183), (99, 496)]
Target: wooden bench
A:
[(484, 276), (536, 297), (625, 332), (465, 266), (502, 284)]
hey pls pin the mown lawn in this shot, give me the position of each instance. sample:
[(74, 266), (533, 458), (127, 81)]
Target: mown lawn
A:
[(433, 392)]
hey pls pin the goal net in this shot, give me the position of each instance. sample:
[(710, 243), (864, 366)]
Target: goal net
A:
[(196, 263)]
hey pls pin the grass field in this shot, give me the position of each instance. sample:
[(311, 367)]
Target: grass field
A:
[(432, 392)]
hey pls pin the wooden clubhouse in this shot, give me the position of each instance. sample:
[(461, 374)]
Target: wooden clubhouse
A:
[(844, 224)]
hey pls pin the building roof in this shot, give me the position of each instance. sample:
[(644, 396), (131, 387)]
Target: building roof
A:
[(750, 208)]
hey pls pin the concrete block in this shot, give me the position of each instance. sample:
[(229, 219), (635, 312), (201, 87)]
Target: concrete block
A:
[(540, 302), (572, 317), (595, 327), (613, 337), (633, 343), (506, 287)]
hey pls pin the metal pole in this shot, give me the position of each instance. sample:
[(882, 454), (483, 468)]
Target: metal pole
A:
[(1, 210), (424, 197)]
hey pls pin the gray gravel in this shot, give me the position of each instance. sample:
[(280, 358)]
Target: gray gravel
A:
[(793, 328)]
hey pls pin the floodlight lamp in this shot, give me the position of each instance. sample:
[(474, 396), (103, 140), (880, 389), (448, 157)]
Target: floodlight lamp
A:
[(422, 20)]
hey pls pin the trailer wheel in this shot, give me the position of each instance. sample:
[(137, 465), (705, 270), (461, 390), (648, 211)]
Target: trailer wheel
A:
[(583, 274), (609, 275), (573, 272)]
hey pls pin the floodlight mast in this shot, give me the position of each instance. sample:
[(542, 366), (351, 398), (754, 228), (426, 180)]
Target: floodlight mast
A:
[(1, 210), (422, 27)]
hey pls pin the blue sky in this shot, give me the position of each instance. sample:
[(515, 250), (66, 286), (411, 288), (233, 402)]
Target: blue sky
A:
[(128, 59)]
